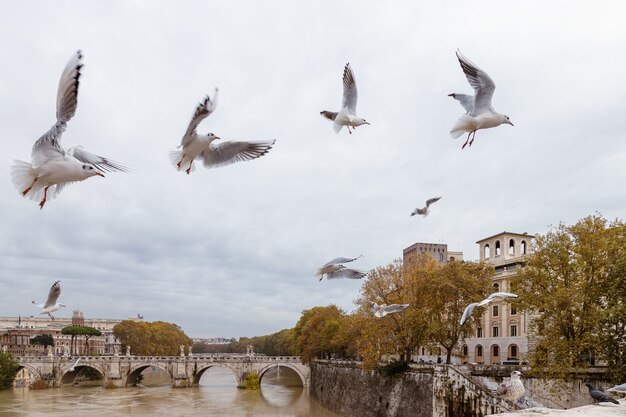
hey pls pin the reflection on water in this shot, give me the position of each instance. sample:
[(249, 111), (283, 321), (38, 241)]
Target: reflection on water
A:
[(217, 396)]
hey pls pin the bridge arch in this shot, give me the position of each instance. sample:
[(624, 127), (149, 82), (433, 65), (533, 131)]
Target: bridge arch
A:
[(135, 371), (284, 365), (68, 376), (31, 370), (203, 368)]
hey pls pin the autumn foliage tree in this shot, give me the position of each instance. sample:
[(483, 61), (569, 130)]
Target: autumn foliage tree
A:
[(574, 283), (151, 338), (319, 333)]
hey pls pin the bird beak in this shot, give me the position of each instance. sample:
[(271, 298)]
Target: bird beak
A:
[(511, 123), (100, 174), (367, 123)]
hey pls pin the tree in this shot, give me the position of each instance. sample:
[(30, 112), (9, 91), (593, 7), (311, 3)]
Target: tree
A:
[(318, 333), (43, 339), (8, 369), (452, 287), (574, 284), (151, 338), (75, 331)]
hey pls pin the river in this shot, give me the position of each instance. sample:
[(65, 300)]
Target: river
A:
[(217, 395)]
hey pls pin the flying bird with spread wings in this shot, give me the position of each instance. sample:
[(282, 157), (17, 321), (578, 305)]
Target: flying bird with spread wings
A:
[(424, 211), (381, 311), (53, 166), (51, 304), (347, 115), (480, 114), (334, 269), (198, 146), (492, 297)]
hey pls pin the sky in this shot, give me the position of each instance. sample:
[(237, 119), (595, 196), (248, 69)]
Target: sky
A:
[(232, 251)]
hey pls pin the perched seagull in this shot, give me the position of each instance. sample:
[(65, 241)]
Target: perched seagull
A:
[(347, 115), (74, 365), (424, 211), (468, 310), (196, 146), (382, 310), (513, 389), (52, 165), (51, 304), (599, 396), (334, 266), (480, 114)]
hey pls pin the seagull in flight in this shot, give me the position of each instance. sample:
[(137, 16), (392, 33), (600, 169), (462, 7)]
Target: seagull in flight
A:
[(492, 297), (197, 146), (381, 311), (53, 166), (347, 115), (480, 114), (73, 367), (334, 269), (51, 304), (424, 211)]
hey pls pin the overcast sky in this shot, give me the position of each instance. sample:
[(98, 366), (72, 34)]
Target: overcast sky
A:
[(232, 251)]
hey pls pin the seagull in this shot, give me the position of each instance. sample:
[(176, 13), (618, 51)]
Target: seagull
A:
[(74, 365), (51, 304), (382, 310), (599, 396), (513, 389), (618, 388), (334, 269), (468, 310), (424, 211), (347, 115), (480, 114), (196, 146), (53, 166)]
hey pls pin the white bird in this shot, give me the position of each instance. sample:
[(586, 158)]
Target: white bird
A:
[(333, 266), (480, 114), (51, 304), (424, 211), (511, 390), (197, 146), (73, 367), (382, 310), (347, 115), (53, 166), (492, 297)]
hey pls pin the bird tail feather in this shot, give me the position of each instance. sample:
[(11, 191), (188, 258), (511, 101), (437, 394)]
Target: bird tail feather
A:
[(175, 157), (337, 127), (23, 174), (463, 125)]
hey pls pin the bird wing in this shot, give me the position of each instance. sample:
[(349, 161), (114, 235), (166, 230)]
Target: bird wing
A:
[(600, 396), (47, 146), (421, 211), (346, 273), (203, 110), (431, 201), (480, 81), (340, 260), (503, 388), (466, 100), (350, 94), (330, 115), (395, 308), (501, 295), (53, 295), (100, 162), (230, 152), (467, 313)]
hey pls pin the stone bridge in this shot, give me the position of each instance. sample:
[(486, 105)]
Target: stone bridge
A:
[(184, 371)]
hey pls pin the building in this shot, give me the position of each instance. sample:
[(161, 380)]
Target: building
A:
[(501, 334), (438, 251)]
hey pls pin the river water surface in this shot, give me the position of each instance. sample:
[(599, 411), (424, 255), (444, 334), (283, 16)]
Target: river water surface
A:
[(217, 395)]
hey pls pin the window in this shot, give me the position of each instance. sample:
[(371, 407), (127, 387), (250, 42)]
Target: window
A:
[(441, 257), (479, 351), (465, 350), (523, 247), (479, 332), (496, 287), (511, 247), (513, 310), (513, 330), (495, 331), (486, 252), (513, 351), (497, 248), (495, 350), (495, 311)]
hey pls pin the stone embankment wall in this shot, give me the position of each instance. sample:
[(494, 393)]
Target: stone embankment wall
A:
[(424, 391)]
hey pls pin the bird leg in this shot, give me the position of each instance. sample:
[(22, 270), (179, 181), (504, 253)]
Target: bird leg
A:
[(468, 136), (181, 161), (472, 141), (51, 316), (43, 201), (30, 186), (188, 170)]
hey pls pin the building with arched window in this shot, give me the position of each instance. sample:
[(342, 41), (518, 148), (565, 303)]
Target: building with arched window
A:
[(501, 333)]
